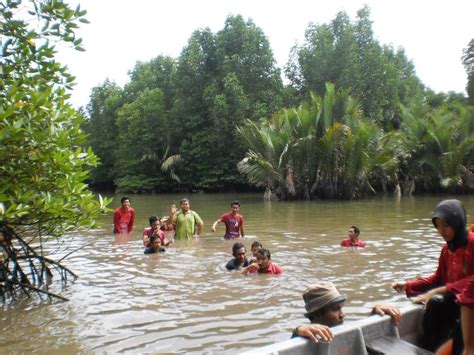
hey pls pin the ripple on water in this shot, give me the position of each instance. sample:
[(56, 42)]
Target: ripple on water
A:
[(185, 301)]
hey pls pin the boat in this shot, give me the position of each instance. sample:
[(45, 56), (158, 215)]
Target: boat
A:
[(372, 335)]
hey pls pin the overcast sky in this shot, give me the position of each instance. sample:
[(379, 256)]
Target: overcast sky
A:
[(433, 33)]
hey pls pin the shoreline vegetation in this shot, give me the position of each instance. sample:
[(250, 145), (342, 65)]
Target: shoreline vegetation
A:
[(44, 167), (351, 120)]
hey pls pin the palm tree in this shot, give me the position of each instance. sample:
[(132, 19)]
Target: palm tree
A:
[(323, 148)]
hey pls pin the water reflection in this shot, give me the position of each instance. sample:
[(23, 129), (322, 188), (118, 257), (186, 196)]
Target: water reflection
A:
[(183, 300)]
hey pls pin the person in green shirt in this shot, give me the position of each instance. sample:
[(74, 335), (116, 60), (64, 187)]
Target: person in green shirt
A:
[(185, 221)]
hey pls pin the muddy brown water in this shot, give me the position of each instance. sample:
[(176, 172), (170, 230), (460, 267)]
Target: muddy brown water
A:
[(184, 300)]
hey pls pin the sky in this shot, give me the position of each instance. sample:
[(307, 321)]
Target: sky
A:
[(432, 33)]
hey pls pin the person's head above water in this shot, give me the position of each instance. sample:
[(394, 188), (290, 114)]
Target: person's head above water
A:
[(323, 304), (155, 242), (235, 207), (353, 233), (449, 218), (256, 246), (238, 251), (154, 222)]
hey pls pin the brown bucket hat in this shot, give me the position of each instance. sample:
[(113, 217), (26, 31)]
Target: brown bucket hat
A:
[(321, 295)]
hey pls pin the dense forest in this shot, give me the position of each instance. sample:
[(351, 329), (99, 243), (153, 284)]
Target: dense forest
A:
[(352, 119)]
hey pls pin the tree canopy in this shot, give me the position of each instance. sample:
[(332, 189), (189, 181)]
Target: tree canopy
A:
[(353, 118), (345, 53), (43, 168), (468, 61)]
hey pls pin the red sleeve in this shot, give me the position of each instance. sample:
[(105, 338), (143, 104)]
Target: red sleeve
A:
[(343, 243), (278, 269), (457, 286), (466, 298), (223, 217), (132, 220), (117, 221), (418, 286), (241, 221)]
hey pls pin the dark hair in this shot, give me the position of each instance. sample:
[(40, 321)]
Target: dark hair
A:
[(236, 247), (256, 244), (153, 219), (235, 202), (154, 237), (184, 199), (356, 230), (124, 198), (264, 252)]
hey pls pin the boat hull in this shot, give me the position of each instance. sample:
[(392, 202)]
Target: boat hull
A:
[(372, 335)]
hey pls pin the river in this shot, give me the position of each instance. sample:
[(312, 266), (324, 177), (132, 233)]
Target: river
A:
[(184, 300)]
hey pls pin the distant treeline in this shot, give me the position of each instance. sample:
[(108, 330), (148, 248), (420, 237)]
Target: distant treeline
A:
[(352, 120)]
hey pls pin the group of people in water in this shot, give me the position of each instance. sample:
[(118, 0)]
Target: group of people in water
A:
[(444, 293)]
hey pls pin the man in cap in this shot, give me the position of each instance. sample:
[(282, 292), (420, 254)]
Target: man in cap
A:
[(323, 304)]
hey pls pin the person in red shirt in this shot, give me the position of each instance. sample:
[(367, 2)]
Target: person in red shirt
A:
[(124, 217), (466, 299), (263, 265), (234, 222), (353, 240), (154, 229), (455, 266)]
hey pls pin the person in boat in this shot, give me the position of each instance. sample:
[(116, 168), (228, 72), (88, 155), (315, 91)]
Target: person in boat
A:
[(187, 223), (239, 260), (353, 238), (455, 266), (124, 217), (234, 222), (263, 264), (466, 300), (323, 304), (154, 245), (154, 229)]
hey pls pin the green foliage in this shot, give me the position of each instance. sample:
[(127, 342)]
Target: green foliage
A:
[(143, 143), (42, 165), (183, 115), (102, 130), (173, 126), (130, 129), (434, 147), (346, 54), (468, 62), (323, 149)]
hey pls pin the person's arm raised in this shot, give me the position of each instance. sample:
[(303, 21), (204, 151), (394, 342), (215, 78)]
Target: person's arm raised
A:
[(173, 211)]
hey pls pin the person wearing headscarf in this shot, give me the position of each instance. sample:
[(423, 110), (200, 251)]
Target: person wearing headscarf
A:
[(455, 266)]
